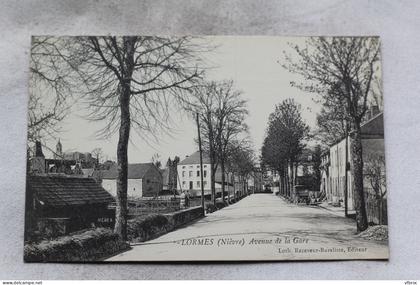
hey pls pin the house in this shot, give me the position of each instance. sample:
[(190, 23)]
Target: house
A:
[(60, 204), (144, 180), (337, 180), (189, 176)]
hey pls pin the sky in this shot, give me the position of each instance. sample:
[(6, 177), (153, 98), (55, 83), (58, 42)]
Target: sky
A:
[(251, 62)]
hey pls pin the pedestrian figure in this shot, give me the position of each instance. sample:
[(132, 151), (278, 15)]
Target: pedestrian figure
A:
[(187, 199), (183, 199)]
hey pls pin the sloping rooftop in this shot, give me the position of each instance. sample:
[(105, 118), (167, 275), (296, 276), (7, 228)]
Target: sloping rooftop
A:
[(135, 171), (195, 159), (59, 191), (88, 172), (374, 126)]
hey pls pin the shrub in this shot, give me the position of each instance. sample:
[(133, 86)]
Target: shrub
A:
[(210, 208), (220, 205), (88, 245)]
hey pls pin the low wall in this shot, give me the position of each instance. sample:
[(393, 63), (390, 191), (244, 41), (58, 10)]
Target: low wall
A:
[(142, 206), (152, 226), (90, 245), (183, 217)]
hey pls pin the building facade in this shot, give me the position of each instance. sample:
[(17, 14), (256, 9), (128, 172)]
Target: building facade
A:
[(144, 180), (189, 177), (336, 175)]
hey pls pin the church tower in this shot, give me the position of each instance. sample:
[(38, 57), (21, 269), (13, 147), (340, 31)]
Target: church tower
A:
[(58, 150)]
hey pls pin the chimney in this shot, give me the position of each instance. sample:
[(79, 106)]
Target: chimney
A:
[(37, 163), (38, 149), (374, 110)]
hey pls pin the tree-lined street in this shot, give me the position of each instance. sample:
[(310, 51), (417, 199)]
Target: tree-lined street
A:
[(257, 219), (315, 148)]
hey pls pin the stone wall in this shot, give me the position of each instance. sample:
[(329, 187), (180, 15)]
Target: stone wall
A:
[(152, 226)]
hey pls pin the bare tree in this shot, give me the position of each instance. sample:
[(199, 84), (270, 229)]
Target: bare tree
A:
[(51, 82), (98, 154), (241, 162), (156, 160), (332, 124), (342, 71), (230, 113), (204, 105), (222, 112), (132, 83)]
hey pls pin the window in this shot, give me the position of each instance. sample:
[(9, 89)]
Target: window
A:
[(205, 166), (205, 173), (198, 183), (198, 166), (183, 173), (190, 174), (147, 181), (198, 173), (183, 167), (205, 183), (183, 183), (191, 185)]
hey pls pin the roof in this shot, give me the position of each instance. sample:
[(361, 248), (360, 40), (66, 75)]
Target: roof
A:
[(195, 159), (374, 126), (88, 172), (58, 191), (135, 171)]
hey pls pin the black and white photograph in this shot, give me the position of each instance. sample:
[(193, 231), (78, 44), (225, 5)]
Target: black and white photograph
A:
[(205, 148)]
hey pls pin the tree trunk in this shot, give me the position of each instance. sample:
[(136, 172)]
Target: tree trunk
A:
[(234, 184), (357, 171), (281, 172), (124, 136), (212, 181), (122, 165), (222, 166), (212, 160), (291, 181)]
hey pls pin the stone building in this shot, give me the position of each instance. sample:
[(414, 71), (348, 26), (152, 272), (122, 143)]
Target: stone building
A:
[(144, 180)]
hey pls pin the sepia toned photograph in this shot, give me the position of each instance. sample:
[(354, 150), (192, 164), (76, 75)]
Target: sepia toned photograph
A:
[(212, 148)]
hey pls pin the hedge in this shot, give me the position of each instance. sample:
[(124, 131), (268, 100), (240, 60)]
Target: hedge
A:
[(89, 245), (147, 227)]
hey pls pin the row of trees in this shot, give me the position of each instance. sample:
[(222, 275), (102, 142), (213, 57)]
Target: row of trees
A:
[(284, 142), (344, 73), (222, 111)]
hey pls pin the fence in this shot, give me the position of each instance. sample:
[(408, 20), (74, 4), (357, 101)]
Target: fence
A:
[(376, 210), (144, 206)]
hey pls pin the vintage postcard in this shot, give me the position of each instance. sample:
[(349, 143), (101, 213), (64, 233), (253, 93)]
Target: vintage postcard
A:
[(217, 148)]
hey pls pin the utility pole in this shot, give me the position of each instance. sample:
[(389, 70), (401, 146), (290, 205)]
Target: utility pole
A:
[(201, 162), (346, 202)]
